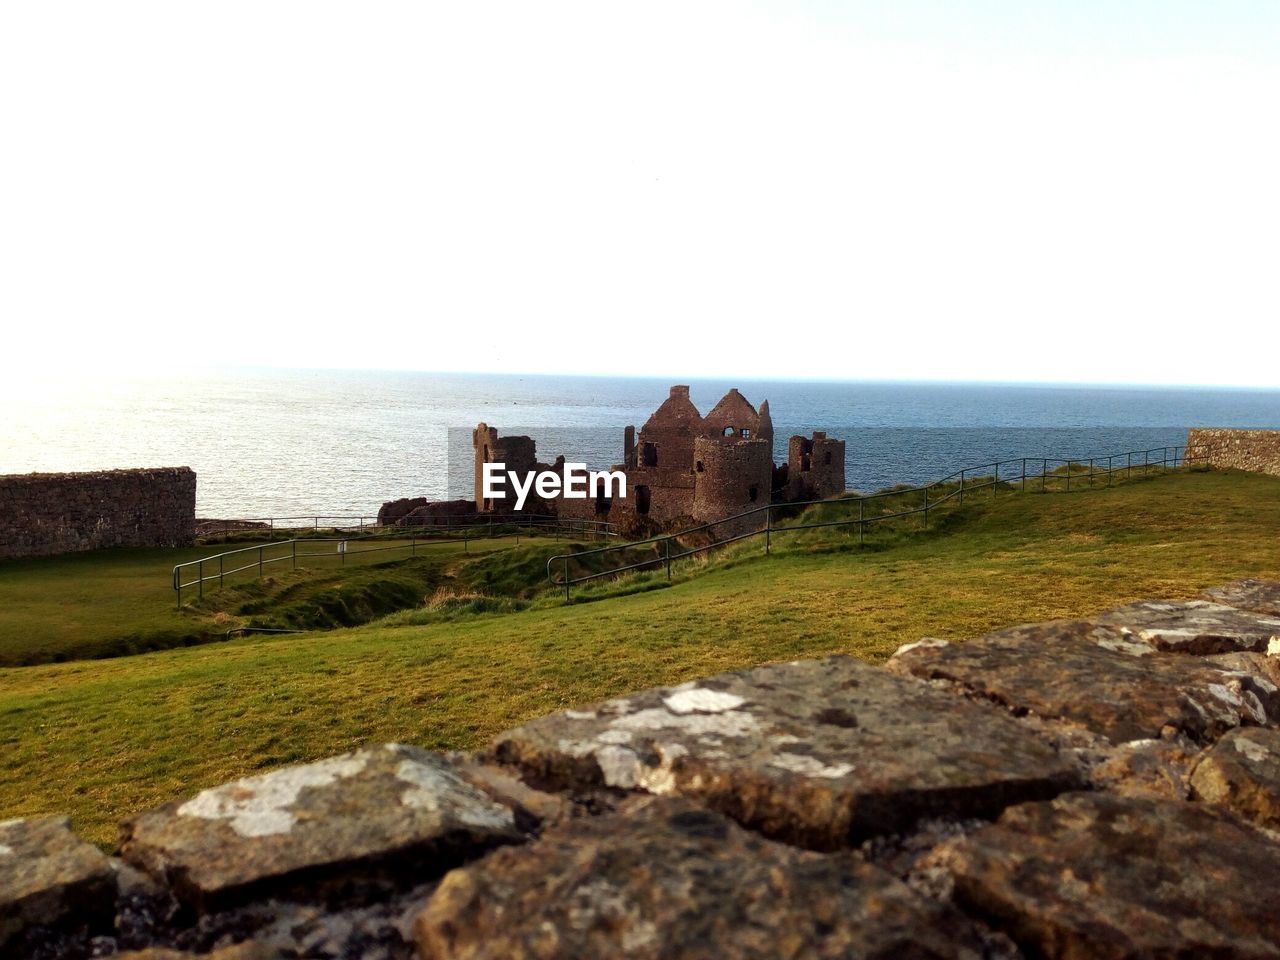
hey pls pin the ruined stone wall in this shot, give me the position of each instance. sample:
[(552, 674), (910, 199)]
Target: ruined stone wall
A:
[(1256, 450), (815, 467), (48, 513), (670, 494), (731, 476), (681, 465), (517, 454), (1104, 788), (735, 416), (666, 439)]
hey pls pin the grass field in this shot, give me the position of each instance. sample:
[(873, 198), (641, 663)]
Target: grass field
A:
[(98, 739), (115, 602)]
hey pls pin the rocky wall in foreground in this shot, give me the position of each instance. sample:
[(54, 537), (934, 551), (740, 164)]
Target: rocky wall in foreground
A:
[(1099, 788)]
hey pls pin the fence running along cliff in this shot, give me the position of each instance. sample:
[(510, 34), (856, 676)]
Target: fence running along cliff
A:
[(1055, 474), (216, 568)]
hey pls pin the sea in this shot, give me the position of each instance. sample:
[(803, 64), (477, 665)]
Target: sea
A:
[(338, 443)]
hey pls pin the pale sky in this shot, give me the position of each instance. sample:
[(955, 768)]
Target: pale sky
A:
[(1083, 190)]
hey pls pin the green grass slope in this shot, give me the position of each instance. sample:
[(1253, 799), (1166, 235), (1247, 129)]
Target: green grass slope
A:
[(112, 603), (99, 739)]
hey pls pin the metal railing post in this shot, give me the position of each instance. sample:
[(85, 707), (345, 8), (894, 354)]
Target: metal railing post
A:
[(768, 526), (566, 579), (667, 542), (260, 549), (294, 544), (219, 571), (200, 571), (962, 488), (926, 507), (1044, 473), (1024, 474), (861, 520), (466, 544)]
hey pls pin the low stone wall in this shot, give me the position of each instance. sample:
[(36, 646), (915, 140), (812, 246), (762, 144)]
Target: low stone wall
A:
[(1256, 450), (1099, 788), (49, 513)]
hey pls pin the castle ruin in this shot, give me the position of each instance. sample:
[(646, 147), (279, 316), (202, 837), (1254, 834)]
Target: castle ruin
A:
[(682, 465)]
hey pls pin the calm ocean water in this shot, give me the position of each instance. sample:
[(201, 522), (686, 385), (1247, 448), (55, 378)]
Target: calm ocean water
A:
[(280, 443)]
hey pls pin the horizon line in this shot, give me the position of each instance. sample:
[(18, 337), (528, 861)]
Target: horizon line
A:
[(682, 378)]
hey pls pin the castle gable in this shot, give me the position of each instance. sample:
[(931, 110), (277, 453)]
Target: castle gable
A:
[(733, 416)]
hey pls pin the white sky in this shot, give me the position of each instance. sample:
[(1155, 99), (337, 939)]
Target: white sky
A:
[(1022, 190)]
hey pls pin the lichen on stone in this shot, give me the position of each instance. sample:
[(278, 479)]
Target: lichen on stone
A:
[(258, 806), (702, 700)]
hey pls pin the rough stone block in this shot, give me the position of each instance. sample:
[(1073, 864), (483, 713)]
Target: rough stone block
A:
[(1194, 626), (1092, 676), (821, 753), (1242, 771), (238, 951), (664, 879), (352, 813), (50, 878), (1258, 596), (1100, 877)]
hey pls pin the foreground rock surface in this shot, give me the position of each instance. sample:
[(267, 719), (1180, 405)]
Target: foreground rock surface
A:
[(1258, 596), (1242, 771), (820, 753), (303, 823), (1114, 878), (665, 879), (1094, 677), (1194, 626), (683, 821), (49, 877)]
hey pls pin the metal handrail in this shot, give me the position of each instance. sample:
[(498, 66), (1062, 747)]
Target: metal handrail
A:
[(366, 524), (415, 535), (992, 480)]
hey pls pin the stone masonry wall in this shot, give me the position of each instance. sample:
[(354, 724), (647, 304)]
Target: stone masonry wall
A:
[(49, 513), (1256, 450), (1104, 788)]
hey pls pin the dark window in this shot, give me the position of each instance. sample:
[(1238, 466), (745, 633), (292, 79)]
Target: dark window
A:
[(603, 503), (827, 458), (753, 492), (805, 462), (700, 468), (649, 455), (728, 431), (642, 499)]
